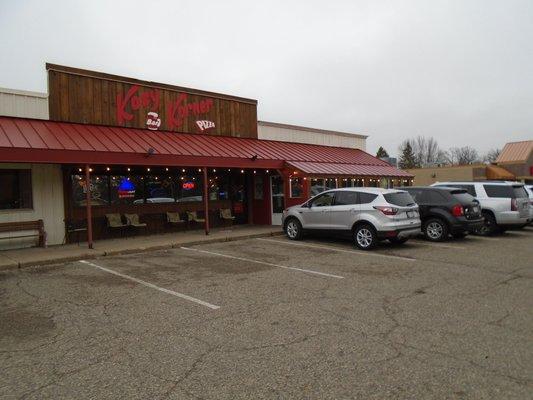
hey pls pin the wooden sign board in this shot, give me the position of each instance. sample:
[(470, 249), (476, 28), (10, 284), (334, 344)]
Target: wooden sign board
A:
[(82, 96)]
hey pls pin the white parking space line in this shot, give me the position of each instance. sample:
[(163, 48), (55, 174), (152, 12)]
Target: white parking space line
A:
[(152, 286), (317, 246), (308, 271), (444, 246)]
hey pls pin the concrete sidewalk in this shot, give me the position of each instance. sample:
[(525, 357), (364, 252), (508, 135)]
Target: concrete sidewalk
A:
[(12, 259)]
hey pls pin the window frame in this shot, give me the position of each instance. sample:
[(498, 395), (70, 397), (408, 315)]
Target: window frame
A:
[(18, 171)]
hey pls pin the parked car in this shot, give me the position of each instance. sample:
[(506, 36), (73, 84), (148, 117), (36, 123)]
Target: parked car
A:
[(529, 190), (446, 211), (368, 215), (504, 205)]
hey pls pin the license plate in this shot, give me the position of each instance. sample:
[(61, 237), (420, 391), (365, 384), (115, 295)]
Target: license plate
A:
[(410, 214), (475, 209)]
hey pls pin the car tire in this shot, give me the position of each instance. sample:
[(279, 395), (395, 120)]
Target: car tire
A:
[(365, 237), (489, 226), (436, 230), (293, 229), (398, 240)]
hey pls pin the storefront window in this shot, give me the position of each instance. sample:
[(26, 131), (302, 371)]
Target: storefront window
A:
[(127, 190), (346, 182), (258, 187), (159, 189), (331, 183), (189, 189), (99, 190), (296, 187), (317, 186), (15, 189)]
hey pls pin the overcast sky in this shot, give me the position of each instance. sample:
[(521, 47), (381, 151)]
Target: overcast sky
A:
[(461, 71)]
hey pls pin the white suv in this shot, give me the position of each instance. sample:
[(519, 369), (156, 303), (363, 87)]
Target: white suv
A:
[(504, 205), (366, 214)]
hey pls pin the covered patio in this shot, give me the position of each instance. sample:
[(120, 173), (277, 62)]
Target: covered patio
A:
[(152, 182)]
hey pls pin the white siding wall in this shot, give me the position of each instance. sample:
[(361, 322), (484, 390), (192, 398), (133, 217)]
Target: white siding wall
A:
[(47, 189), (324, 138), (19, 103)]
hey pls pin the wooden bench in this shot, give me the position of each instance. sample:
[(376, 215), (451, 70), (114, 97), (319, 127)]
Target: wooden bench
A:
[(25, 226)]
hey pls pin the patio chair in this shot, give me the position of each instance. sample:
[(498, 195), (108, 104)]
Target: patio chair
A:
[(114, 222), (173, 218), (225, 215), (193, 217), (133, 221), (74, 227)]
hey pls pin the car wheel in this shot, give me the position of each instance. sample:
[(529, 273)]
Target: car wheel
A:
[(489, 226), (436, 230), (460, 235), (293, 229), (365, 237), (398, 240)]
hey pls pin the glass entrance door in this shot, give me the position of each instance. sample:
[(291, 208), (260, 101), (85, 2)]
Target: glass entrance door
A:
[(278, 198)]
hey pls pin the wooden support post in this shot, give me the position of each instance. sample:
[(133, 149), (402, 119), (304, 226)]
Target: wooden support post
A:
[(206, 202), (89, 208)]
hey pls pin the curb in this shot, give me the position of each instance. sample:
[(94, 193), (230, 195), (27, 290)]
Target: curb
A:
[(97, 254)]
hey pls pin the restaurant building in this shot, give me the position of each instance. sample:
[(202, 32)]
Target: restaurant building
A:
[(175, 157)]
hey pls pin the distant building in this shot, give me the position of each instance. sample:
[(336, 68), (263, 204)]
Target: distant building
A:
[(515, 163), (301, 134), (517, 158)]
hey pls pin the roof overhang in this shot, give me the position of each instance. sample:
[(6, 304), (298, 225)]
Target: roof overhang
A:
[(25, 140), (337, 169)]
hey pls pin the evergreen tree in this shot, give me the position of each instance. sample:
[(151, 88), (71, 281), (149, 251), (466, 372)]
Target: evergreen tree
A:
[(407, 158), (382, 152)]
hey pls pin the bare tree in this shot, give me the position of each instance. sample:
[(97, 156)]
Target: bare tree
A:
[(427, 151), (462, 155), (491, 155)]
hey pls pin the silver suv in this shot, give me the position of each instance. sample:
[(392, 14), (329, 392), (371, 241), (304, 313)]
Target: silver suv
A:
[(367, 214), (504, 205)]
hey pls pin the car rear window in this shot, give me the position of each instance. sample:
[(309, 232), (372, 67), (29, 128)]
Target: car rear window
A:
[(469, 188), (365, 198), (520, 192), (462, 196), (505, 191), (399, 199)]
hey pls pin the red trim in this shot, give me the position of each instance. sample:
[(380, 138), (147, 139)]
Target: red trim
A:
[(113, 158)]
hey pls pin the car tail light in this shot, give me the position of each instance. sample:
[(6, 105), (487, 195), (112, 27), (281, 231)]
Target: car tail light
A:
[(458, 210), (514, 205), (387, 210)]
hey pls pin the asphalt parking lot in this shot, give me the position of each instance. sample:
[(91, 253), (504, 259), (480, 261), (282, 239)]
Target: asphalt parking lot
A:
[(271, 318)]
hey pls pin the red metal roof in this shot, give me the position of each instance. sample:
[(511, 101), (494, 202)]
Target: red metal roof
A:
[(313, 168), (40, 141)]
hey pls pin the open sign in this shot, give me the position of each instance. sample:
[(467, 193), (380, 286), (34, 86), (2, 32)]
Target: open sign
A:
[(188, 185)]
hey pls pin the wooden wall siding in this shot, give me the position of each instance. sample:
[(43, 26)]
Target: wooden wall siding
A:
[(80, 97)]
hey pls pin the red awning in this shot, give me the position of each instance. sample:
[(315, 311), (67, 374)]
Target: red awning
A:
[(39, 141), (312, 168)]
